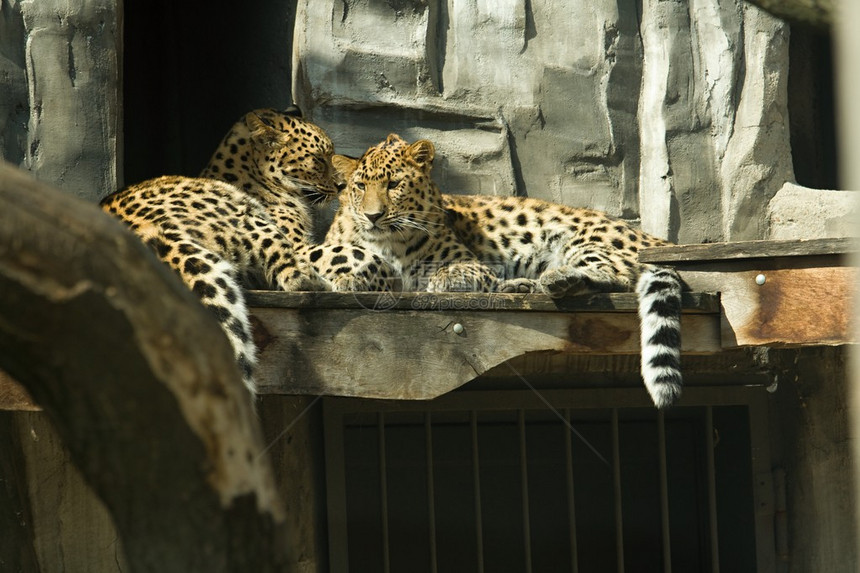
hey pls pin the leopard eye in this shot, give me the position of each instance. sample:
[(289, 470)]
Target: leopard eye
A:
[(359, 185), (393, 184)]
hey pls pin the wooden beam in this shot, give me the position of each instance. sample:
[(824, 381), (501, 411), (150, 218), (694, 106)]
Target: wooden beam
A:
[(773, 293), (700, 253), (420, 354), (692, 302)]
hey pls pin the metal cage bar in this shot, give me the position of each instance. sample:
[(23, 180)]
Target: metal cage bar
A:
[(476, 469), (571, 506), (524, 482), (713, 534), (616, 485), (431, 492), (664, 493), (383, 494)]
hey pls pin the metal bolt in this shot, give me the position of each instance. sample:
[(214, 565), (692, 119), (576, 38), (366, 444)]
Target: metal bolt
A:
[(458, 328), (760, 279)]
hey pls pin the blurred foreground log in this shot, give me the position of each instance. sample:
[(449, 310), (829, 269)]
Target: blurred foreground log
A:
[(138, 381)]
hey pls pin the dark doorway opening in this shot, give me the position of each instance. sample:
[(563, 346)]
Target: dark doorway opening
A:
[(191, 69)]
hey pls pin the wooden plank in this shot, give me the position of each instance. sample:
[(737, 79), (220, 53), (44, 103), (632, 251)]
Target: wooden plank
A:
[(696, 302), (748, 250), (600, 323), (419, 355), (793, 307)]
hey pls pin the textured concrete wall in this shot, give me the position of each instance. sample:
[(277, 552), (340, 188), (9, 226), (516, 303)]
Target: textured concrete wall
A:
[(60, 113), (797, 212), (676, 115)]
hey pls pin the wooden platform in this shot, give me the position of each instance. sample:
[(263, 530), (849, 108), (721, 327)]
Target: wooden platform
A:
[(773, 293), (422, 345)]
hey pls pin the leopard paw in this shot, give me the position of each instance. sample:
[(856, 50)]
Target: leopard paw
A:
[(558, 283), (516, 286), (303, 281)]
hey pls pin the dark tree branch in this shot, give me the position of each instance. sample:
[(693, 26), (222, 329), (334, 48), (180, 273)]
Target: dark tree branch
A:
[(139, 382), (814, 13)]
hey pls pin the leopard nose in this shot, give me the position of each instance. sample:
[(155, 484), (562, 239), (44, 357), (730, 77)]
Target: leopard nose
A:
[(374, 217)]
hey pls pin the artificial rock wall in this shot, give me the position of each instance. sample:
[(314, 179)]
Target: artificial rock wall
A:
[(60, 112), (671, 112)]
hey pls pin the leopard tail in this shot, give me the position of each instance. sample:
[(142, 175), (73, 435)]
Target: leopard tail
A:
[(659, 291)]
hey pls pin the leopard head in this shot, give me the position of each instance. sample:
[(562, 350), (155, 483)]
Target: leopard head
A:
[(291, 152), (389, 189)]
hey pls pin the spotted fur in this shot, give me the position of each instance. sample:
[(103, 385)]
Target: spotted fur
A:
[(247, 222), (392, 207), (562, 251)]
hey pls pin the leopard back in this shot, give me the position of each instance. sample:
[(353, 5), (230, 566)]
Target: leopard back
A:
[(562, 250)]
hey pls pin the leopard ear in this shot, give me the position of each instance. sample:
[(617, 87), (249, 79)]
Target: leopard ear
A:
[(344, 165), (294, 111), (262, 132), (393, 138), (421, 152)]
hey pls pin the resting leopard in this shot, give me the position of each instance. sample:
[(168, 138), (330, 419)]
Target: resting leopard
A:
[(247, 222), (391, 205)]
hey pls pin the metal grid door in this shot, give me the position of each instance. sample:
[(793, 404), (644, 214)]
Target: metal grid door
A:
[(550, 481)]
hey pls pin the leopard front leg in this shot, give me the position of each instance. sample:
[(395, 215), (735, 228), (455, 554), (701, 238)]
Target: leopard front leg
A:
[(348, 268), (283, 268), (463, 276)]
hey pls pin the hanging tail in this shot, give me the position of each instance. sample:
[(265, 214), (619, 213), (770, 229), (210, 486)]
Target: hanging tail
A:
[(659, 291)]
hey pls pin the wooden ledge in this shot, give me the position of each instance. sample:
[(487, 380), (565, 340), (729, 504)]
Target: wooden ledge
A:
[(773, 293), (699, 253), (691, 302), (422, 345)]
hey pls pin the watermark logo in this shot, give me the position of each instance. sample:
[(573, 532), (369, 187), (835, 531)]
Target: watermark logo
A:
[(463, 290), (450, 301)]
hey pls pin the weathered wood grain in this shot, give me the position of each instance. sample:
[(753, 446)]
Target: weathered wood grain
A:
[(693, 302), (748, 250), (419, 355), (795, 306)]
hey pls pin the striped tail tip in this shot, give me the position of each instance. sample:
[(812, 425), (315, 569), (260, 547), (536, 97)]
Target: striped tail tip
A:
[(659, 292)]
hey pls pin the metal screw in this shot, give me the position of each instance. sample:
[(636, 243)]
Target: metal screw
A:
[(458, 328), (760, 279)]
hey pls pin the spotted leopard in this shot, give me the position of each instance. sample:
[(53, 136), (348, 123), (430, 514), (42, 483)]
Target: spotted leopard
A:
[(247, 222), (531, 245), (391, 207)]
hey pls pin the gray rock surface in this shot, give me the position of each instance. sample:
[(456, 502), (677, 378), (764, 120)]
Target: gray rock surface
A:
[(60, 117), (797, 212), (676, 116)]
